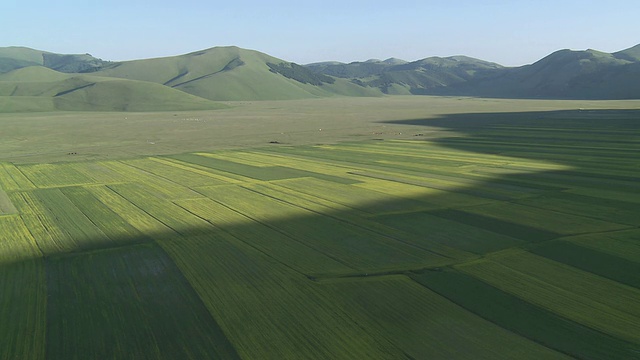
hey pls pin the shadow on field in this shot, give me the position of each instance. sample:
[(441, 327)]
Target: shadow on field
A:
[(601, 149)]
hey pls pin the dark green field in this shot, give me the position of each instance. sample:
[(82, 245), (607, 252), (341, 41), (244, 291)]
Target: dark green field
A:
[(473, 230)]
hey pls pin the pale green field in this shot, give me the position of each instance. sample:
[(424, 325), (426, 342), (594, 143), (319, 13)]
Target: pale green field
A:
[(46, 137)]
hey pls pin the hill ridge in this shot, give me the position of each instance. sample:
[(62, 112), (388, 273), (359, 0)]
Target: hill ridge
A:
[(231, 73)]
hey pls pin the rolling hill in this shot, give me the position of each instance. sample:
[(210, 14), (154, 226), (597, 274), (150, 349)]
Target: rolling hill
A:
[(565, 74), (38, 88), (32, 80), (394, 76), (232, 73)]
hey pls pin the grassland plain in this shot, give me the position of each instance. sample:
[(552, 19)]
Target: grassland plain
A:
[(473, 239)]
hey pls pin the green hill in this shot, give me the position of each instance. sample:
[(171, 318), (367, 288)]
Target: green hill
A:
[(41, 89), (630, 54), (232, 73), (191, 81), (393, 76), (12, 58), (565, 74)]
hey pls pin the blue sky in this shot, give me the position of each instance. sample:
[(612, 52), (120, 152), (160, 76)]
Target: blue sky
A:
[(507, 32)]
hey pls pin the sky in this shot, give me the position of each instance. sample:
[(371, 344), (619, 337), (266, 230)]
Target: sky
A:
[(511, 33)]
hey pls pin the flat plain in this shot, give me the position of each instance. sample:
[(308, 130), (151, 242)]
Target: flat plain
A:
[(395, 227)]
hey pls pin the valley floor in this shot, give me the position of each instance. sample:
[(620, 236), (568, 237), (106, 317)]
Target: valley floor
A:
[(335, 228)]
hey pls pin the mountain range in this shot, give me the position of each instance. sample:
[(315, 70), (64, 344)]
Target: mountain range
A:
[(34, 80)]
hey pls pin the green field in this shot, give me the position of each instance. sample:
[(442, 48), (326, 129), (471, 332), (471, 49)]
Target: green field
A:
[(383, 228)]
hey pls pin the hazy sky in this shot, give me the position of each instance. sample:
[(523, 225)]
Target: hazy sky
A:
[(507, 32)]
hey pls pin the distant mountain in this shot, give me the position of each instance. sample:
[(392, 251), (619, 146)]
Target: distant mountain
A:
[(232, 73), (12, 58), (565, 74), (631, 54), (33, 79), (394, 76)]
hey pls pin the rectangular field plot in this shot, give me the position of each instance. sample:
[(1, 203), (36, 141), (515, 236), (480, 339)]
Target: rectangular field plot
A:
[(161, 186), (547, 220), (23, 302), (164, 211), (264, 238), (78, 231), (134, 215), (130, 302), (54, 175), (268, 310), (358, 219), (585, 298), (356, 246), (11, 178), (426, 325), (590, 260), (623, 244), (109, 222), (16, 242), (6, 206), (615, 211), (173, 173), (251, 172), (523, 318), (448, 232), (364, 200)]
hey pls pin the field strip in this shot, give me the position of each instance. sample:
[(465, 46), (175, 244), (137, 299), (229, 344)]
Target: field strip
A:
[(54, 175), (104, 218), (450, 232), (607, 194), (280, 247), (167, 188), (524, 318), (408, 313), (173, 174), (6, 180), (164, 211), (23, 310), (235, 156), (591, 260), (98, 172), (152, 310), (6, 206), (194, 168), (16, 242), (548, 220), (434, 184), (616, 212), (248, 288), (567, 148), (14, 178), (582, 297), (324, 233), (316, 205), (135, 216), (83, 234), (300, 162), (50, 237), (621, 243), (431, 197)]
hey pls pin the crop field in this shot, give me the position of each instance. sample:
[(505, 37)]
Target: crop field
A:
[(485, 235)]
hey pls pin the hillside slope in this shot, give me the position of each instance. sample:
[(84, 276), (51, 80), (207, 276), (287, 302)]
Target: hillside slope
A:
[(15, 57), (41, 89), (232, 73), (565, 74), (394, 76)]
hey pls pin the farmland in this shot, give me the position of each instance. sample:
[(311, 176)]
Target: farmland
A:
[(447, 228)]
